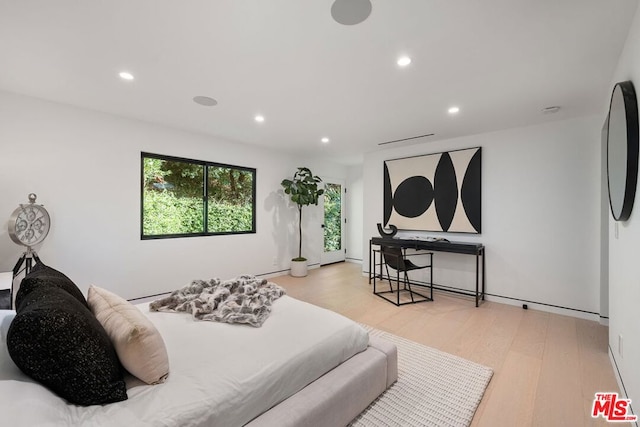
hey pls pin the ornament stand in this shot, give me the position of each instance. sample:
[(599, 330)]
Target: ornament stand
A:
[(26, 259)]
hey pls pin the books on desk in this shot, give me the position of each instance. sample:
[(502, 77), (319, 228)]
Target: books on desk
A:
[(426, 239), (436, 239)]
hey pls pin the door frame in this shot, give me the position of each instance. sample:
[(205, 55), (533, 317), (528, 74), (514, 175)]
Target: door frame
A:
[(341, 254)]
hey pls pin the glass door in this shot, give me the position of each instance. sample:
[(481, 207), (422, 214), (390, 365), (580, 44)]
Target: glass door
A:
[(334, 222)]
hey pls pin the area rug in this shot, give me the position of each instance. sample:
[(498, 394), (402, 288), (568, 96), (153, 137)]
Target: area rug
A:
[(433, 388)]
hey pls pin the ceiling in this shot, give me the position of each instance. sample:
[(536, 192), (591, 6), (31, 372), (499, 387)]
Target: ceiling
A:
[(500, 61)]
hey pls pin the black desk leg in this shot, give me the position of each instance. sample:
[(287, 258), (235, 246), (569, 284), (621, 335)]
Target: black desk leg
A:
[(477, 277), (431, 274), (370, 254), (380, 275), (484, 277)]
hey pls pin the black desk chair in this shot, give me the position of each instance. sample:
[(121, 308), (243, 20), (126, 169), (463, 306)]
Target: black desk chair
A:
[(396, 258)]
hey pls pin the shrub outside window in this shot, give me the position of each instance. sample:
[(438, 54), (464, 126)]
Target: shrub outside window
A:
[(185, 197)]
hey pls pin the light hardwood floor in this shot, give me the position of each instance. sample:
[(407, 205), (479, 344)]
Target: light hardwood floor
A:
[(547, 367)]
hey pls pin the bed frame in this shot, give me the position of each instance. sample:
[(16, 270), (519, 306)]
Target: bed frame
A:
[(332, 400), (341, 394)]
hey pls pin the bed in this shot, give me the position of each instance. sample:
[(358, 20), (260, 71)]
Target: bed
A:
[(304, 366)]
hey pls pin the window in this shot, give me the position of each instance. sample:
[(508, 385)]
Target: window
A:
[(184, 197)]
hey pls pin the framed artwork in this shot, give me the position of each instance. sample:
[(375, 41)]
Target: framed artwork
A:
[(434, 192)]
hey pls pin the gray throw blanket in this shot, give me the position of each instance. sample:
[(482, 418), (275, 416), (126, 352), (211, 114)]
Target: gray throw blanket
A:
[(244, 299)]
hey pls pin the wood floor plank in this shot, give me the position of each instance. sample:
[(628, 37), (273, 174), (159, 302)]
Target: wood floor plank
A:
[(470, 336), (514, 388), (596, 371), (559, 391), (493, 349), (532, 335)]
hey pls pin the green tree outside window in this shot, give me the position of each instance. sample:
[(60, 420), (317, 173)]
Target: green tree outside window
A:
[(177, 201)]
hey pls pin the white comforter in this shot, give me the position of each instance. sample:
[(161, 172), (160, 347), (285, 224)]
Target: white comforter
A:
[(221, 374)]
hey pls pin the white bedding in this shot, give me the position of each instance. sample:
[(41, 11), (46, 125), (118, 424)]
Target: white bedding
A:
[(221, 374)]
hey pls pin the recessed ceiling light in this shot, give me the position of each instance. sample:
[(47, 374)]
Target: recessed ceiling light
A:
[(205, 101), (259, 118), (124, 75), (325, 140), (404, 61), (454, 110)]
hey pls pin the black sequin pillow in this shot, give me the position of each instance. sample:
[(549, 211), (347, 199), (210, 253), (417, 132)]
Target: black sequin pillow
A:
[(56, 340), (43, 275)]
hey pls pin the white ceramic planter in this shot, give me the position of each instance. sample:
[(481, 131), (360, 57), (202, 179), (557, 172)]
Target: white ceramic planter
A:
[(299, 268)]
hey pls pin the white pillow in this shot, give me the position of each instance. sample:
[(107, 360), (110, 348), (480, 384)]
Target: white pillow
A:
[(138, 343)]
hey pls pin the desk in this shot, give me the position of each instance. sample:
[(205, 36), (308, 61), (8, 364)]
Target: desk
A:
[(476, 249)]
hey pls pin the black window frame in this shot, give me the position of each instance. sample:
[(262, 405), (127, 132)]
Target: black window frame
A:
[(205, 196)]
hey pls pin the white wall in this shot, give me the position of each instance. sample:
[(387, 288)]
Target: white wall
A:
[(624, 258), (85, 168), (540, 213)]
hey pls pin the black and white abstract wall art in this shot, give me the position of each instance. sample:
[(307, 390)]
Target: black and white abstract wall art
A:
[(434, 192)]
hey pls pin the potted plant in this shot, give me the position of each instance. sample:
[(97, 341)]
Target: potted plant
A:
[(303, 190)]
